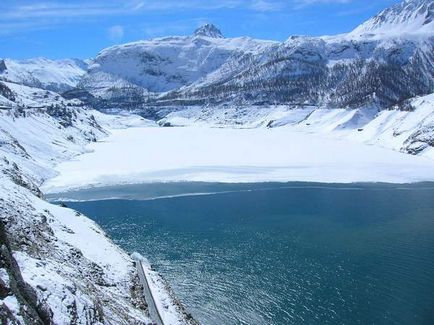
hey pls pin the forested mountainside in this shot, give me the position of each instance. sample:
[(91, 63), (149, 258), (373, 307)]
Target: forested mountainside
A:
[(383, 62)]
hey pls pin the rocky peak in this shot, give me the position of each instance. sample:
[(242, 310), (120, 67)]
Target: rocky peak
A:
[(208, 30)]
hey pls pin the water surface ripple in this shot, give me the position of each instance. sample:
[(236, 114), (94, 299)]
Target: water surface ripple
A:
[(294, 254)]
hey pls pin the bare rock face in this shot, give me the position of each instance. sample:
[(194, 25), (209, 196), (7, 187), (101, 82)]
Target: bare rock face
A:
[(32, 310), (2, 66), (6, 92)]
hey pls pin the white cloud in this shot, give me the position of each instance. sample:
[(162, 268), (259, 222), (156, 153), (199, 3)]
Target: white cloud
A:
[(16, 15), (29, 9), (116, 33), (176, 27), (26, 9), (303, 3), (24, 15), (263, 6)]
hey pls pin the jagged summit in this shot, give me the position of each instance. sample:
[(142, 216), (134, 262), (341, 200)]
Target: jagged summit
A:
[(406, 17), (208, 30)]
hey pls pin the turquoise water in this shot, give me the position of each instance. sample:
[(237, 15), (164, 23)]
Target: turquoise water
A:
[(301, 254)]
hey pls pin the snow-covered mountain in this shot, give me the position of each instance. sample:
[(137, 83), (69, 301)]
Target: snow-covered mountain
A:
[(324, 72), (208, 30), (164, 64), (386, 60), (383, 62), (408, 17)]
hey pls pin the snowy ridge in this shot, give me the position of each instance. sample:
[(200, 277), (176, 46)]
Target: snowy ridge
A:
[(333, 72), (43, 73)]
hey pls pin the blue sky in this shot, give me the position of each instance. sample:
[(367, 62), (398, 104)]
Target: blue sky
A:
[(80, 29)]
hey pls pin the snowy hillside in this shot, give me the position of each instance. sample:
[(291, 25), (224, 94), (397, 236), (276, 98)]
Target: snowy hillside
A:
[(56, 265), (43, 73), (409, 129)]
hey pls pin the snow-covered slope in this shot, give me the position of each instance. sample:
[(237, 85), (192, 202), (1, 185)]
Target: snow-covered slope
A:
[(43, 73), (408, 17), (409, 129), (384, 61), (56, 265), (53, 274)]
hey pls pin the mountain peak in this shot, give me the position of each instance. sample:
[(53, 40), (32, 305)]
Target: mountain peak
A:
[(406, 17), (208, 30)]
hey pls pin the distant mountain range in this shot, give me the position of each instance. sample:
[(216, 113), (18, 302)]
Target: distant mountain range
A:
[(383, 62)]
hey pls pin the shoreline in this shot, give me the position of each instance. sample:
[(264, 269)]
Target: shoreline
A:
[(189, 189), (233, 156)]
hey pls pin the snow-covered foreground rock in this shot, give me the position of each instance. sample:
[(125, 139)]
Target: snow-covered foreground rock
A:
[(195, 153), (56, 265), (59, 267)]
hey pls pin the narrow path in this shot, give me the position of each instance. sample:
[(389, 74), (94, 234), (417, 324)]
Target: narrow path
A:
[(152, 307)]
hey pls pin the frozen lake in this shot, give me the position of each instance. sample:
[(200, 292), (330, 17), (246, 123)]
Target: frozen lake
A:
[(154, 154)]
